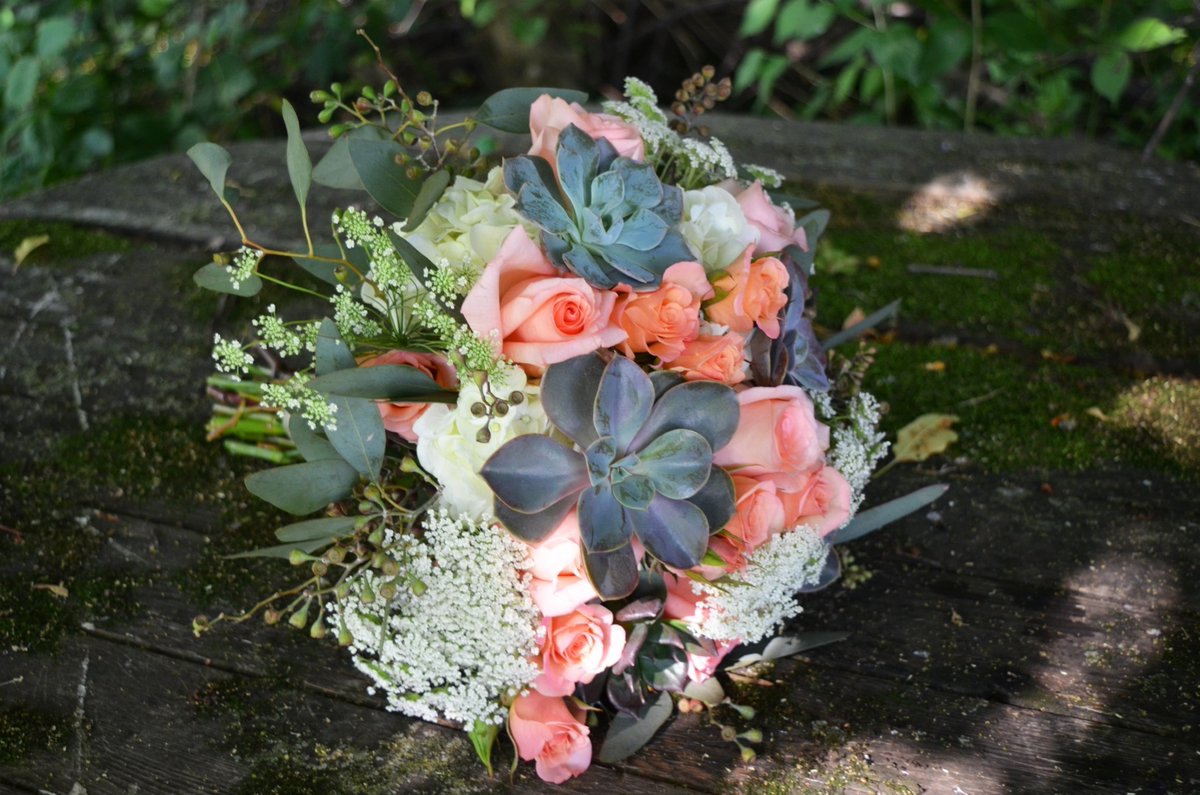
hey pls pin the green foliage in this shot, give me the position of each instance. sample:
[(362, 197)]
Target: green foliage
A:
[(1105, 69), (89, 84)]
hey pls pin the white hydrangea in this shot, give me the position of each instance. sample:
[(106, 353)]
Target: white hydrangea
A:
[(467, 225), (715, 227), (456, 646), (762, 596), (448, 446)]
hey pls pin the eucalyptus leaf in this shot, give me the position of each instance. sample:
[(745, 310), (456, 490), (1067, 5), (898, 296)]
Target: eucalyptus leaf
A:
[(304, 488), (333, 354), (360, 436), (508, 110), (213, 162), (376, 164), (784, 646), (627, 733), (283, 550), (417, 262), (216, 278), (335, 169), (312, 445), (300, 168), (709, 691), (332, 272), (863, 326), (431, 190), (392, 382), (315, 529), (874, 518)]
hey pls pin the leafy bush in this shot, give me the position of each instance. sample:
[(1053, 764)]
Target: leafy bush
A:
[(1050, 68)]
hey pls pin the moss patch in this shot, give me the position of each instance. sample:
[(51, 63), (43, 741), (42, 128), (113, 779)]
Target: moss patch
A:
[(25, 732), (1165, 412), (67, 241)]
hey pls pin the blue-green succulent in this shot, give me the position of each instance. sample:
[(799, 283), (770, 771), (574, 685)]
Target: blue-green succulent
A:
[(643, 467), (605, 218)]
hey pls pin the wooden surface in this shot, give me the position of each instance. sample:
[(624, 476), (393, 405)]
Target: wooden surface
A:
[(1034, 632)]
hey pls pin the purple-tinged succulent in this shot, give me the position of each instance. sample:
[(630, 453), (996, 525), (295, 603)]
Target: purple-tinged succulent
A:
[(796, 357), (645, 469)]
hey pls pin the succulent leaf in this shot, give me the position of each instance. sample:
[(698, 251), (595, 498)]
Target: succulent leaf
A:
[(674, 531), (635, 492), (614, 574), (623, 401), (716, 499), (533, 528), (606, 218), (676, 463), (532, 472), (563, 386), (600, 455), (708, 408), (604, 524)]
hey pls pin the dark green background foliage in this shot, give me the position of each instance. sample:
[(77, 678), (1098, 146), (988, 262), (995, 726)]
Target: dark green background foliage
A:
[(91, 83)]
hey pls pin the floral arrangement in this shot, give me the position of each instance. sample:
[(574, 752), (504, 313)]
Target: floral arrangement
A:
[(574, 445)]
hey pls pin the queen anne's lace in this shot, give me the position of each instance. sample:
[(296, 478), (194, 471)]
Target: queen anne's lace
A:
[(754, 602), (461, 636)]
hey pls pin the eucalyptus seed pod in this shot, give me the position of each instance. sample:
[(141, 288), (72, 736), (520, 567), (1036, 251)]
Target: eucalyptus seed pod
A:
[(344, 636), (500, 407), (300, 618), (387, 591), (335, 555), (478, 409), (484, 436), (320, 568), (271, 616), (390, 567), (516, 397)]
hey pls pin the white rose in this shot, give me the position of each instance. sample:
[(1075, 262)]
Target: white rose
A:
[(715, 227), (448, 449)]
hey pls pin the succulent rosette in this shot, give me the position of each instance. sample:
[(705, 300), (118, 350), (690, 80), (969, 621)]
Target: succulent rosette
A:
[(565, 435)]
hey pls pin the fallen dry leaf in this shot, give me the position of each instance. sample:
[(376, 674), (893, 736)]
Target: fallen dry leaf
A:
[(925, 436), (27, 247), (1097, 412), (58, 590), (856, 316), (936, 367)]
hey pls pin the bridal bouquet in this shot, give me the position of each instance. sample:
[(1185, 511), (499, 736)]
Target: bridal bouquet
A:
[(568, 444)]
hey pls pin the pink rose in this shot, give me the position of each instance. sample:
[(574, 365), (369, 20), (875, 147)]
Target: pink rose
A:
[(538, 316), (701, 666), (681, 599), (754, 294), (560, 583), (549, 116), (545, 729), (709, 358), (776, 226), (399, 417), (777, 436), (577, 647), (822, 503), (663, 321)]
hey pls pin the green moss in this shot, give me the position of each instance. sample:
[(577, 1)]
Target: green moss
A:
[(1163, 413), (1003, 307), (67, 241), (25, 732)]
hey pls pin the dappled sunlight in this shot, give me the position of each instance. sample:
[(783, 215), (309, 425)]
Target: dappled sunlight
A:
[(948, 201), (1165, 409)]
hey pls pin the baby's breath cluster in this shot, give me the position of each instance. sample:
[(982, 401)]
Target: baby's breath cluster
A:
[(286, 339), (461, 636), (244, 264), (857, 444), (296, 397), (763, 596), (230, 356)]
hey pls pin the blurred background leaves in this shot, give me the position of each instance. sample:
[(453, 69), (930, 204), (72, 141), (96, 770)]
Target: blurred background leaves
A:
[(92, 83)]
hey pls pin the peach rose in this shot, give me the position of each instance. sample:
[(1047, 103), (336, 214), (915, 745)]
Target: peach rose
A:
[(577, 647), (399, 417), (822, 503), (754, 294), (663, 321), (758, 514), (778, 437), (709, 358), (545, 729), (776, 226), (539, 316), (559, 583), (549, 116), (702, 666)]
